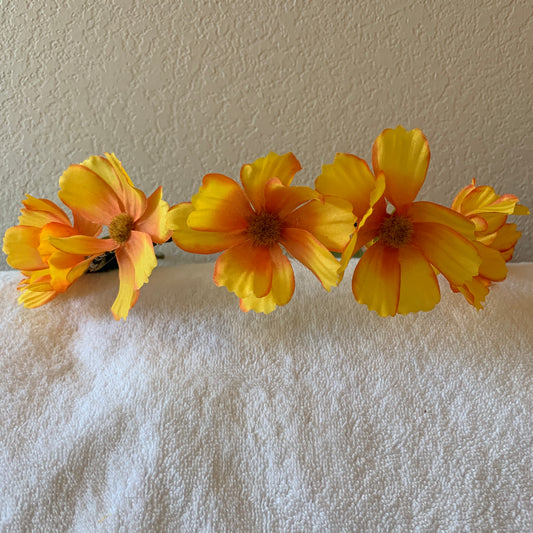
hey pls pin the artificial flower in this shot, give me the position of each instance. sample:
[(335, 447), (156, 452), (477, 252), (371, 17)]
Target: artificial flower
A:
[(100, 191), (47, 271), (252, 223), (495, 238), (405, 248)]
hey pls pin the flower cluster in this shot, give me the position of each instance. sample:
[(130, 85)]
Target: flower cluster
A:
[(257, 224)]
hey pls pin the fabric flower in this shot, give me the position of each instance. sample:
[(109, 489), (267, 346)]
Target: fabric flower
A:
[(47, 271), (406, 247), (100, 191), (495, 239), (250, 224)]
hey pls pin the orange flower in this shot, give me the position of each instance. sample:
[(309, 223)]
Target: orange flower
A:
[(250, 223), (397, 272), (495, 239), (47, 270), (100, 191)]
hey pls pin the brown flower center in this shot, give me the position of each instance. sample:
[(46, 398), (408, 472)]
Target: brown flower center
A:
[(396, 231), (264, 229), (120, 228)]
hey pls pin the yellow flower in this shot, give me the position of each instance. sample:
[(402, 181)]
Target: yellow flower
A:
[(100, 191), (47, 270), (397, 272), (250, 223), (495, 238)]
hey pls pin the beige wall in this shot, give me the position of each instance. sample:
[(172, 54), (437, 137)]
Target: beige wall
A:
[(182, 88)]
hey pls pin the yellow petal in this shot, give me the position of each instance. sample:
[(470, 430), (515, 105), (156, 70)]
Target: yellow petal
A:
[(474, 292), (54, 229), (36, 295), (403, 156), (66, 268), (419, 287), (219, 206), (504, 239), (133, 200), (313, 254), (83, 245), (198, 242), (282, 199), (21, 246), (461, 195), (154, 219), (493, 265), (255, 176), (89, 195), (376, 280), (40, 211), (245, 270), (136, 260), (282, 286), (431, 212), (349, 177), (331, 221), (451, 253)]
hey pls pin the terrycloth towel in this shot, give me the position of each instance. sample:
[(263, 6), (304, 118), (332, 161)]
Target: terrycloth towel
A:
[(194, 416)]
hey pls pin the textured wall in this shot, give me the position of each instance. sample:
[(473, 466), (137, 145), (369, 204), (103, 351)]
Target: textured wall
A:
[(182, 88)]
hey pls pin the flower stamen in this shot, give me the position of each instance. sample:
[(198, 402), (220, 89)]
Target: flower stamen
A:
[(396, 231), (120, 228), (264, 229)]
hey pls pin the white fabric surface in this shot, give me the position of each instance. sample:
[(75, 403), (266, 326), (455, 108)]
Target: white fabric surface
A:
[(193, 416)]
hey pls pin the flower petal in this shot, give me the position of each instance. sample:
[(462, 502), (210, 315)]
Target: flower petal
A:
[(21, 245), (154, 219), (112, 172), (83, 245), (451, 253), (307, 249), (376, 279), (40, 211), (504, 239), (255, 176), (403, 156), (349, 177), (136, 260), (37, 295), (89, 195), (282, 199), (245, 270), (431, 212), (65, 269), (493, 265), (198, 242), (282, 286), (220, 205), (419, 287), (331, 221)]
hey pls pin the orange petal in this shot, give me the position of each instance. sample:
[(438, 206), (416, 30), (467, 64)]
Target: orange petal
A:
[(154, 219), (136, 260), (40, 211), (67, 268), (112, 172), (451, 253), (458, 200), (474, 292), (282, 199), (493, 265), (89, 195), (245, 270), (331, 221), (376, 280), (349, 177), (419, 287), (403, 156), (220, 205), (282, 286), (83, 245), (86, 227), (37, 295), (484, 199), (504, 239), (21, 246), (198, 242), (313, 254), (254, 177), (431, 212)]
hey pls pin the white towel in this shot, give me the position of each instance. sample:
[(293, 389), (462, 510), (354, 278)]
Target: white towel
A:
[(322, 416)]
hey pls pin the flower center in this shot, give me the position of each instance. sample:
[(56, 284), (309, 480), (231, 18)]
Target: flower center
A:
[(396, 230), (120, 228), (264, 229)]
